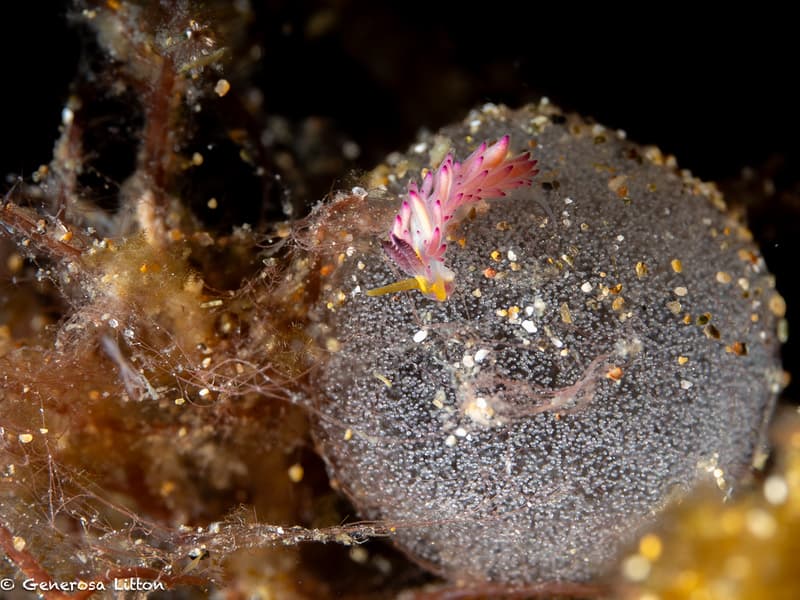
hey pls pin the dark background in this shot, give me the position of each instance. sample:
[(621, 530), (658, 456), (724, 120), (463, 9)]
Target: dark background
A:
[(716, 89)]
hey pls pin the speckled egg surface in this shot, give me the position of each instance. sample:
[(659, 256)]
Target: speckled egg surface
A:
[(611, 343)]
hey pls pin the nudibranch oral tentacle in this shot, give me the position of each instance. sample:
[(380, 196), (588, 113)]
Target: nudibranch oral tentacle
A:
[(429, 211)]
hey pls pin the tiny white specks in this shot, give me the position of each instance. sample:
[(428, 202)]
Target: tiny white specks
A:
[(468, 361), (359, 191), (350, 251), (586, 287), (636, 568), (474, 125), (686, 384), (450, 440), (529, 310), (628, 347), (420, 336), (557, 342), (568, 201), (67, 116), (481, 355), (620, 238), (776, 490), (420, 148), (512, 256), (479, 411), (680, 291), (439, 398), (539, 306), (356, 291), (360, 265), (529, 326), (461, 432)]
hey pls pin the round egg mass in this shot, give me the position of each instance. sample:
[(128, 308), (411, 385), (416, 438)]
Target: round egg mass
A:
[(610, 343)]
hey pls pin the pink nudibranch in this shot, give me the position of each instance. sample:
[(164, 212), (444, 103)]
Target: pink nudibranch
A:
[(417, 241)]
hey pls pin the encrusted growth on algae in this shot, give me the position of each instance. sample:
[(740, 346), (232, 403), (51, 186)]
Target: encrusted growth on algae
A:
[(150, 364), (574, 384)]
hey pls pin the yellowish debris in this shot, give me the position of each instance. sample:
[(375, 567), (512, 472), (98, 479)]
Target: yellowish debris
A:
[(222, 87), (295, 473)]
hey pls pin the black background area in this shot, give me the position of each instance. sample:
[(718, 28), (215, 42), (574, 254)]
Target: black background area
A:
[(717, 89)]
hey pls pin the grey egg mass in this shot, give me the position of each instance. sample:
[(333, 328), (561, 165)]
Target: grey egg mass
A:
[(611, 344)]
